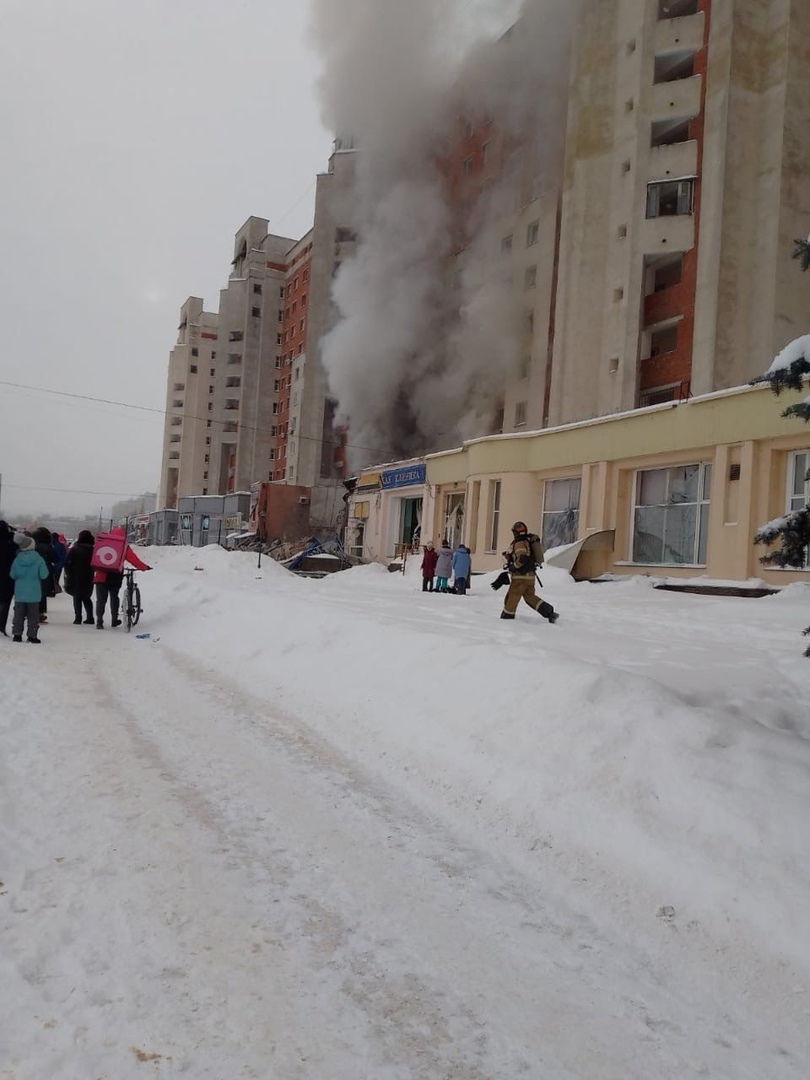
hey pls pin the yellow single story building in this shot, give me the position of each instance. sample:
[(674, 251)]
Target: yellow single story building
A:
[(675, 489)]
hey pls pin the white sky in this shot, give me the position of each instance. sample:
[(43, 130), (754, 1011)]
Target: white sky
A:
[(135, 138)]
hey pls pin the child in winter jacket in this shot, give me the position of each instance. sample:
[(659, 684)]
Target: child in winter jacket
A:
[(28, 571), (444, 567)]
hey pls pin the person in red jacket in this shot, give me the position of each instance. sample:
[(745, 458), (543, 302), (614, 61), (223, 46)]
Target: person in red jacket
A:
[(429, 560), (108, 585)]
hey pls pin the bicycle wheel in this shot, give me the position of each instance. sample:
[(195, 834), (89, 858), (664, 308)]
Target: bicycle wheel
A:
[(129, 596), (136, 605)]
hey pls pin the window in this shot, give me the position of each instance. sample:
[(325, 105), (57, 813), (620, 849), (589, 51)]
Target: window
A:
[(561, 512), (174, 455), (193, 369), (205, 491), (257, 289), (230, 426), (231, 404), (468, 129), (281, 293), (530, 277), (799, 488), (467, 166), (669, 132), (210, 405), (297, 374), (485, 152), (195, 351), (234, 358), (213, 356), (520, 413), (279, 339), (273, 431), (343, 235), (294, 307), (304, 300), (532, 234), (494, 514), (301, 327), (236, 335), (275, 407), (664, 274), (506, 245), (674, 66), (256, 312), (177, 421), (675, 9), (233, 380), (671, 516), (525, 366), (177, 403), (670, 198), (281, 316), (272, 453), (664, 341), (306, 275), (205, 475), (208, 423), (210, 389), (213, 372), (295, 398), (175, 438), (208, 440)]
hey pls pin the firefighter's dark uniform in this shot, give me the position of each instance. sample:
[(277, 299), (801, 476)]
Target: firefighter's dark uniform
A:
[(521, 565)]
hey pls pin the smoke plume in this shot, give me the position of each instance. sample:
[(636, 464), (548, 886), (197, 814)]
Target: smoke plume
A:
[(428, 328)]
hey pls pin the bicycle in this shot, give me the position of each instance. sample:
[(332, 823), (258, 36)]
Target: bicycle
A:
[(132, 599)]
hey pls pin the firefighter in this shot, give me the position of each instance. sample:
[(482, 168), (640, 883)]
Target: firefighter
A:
[(525, 554)]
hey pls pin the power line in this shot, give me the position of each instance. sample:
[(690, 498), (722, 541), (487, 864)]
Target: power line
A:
[(74, 491), (187, 416)]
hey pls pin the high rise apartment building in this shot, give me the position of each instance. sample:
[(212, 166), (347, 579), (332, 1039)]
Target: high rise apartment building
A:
[(687, 177), (187, 433), (255, 405)]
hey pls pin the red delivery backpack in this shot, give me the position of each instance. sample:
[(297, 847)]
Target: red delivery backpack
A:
[(109, 552)]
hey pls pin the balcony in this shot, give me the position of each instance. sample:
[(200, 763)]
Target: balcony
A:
[(179, 387), (231, 404), (177, 403), (685, 32), (661, 235), (676, 99), (673, 161)]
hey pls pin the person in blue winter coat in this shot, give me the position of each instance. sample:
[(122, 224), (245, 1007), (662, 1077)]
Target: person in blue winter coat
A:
[(462, 567), (61, 553), (28, 571)]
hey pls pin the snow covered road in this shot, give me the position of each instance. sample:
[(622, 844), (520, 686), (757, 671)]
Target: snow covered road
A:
[(205, 876)]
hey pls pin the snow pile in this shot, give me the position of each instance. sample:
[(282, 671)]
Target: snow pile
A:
[(795, 352), (465, 846)]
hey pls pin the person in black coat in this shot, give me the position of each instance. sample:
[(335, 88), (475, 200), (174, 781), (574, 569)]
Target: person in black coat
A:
[(8, 549), (79, 577), (44, 547)]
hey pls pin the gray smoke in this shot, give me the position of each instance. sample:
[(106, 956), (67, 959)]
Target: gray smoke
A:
[(422, 346)]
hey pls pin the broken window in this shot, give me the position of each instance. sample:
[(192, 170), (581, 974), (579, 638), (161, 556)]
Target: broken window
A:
[(664, 341)]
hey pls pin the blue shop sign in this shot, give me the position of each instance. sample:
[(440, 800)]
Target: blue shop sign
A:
[(407, 477)]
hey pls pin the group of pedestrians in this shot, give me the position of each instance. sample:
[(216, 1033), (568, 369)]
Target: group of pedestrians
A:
[(439, 566), (31, 566), (521, 562)]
